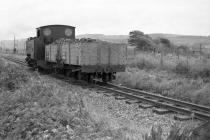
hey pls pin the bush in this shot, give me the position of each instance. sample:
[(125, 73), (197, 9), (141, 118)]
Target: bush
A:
[(144, 64), (182, 68), (205, 72), (11, 77), (202, 96)]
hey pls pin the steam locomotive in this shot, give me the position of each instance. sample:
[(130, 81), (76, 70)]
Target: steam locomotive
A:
[(55, 49)]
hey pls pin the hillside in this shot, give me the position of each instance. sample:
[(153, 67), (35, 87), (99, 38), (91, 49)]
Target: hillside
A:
[(184, 39), (109, 38), (176, 39)]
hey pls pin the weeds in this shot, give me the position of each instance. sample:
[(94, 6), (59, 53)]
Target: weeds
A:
[(180, 133), (182, 68), (185, 79), (37, 108)]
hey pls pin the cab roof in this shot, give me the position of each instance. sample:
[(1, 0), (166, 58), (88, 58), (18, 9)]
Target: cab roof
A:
[(54, 25)]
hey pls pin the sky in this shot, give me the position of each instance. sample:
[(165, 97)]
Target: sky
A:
[(110, 17)]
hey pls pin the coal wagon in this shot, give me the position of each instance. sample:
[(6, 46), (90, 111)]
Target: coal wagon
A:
[(57, 50)]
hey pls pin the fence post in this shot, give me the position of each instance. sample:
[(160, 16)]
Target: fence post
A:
[(161, 58)]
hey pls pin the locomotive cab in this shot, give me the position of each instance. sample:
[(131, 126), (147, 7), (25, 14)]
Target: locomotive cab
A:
[(35, 46)]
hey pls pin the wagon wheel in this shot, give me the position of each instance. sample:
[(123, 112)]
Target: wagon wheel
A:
[(78, 75), (68, 73), (39, 69), (90, 78), (110, 77), (55, 70), (34, 68), (105, 77)]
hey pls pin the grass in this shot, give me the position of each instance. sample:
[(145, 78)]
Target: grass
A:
[(186, 79), (37, 108), (191, 66), (40, 108), (176, 133)]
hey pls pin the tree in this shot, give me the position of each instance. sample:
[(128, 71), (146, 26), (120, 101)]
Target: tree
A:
[(163, 41), (140, 40), (166, 42), (164, 45)]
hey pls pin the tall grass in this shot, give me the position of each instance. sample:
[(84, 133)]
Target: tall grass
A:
[(189, 66), (177, 132), (39, 108), (186, 78)]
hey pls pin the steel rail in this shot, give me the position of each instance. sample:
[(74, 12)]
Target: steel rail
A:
[(15, 60), (162, 98), (179, 109)]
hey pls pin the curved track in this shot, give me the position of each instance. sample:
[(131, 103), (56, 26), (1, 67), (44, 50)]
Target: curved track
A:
[(15, 60), (139, 96), (187, 108)]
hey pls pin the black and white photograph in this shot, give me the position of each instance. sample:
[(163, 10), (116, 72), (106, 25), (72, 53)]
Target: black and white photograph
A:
[(105, 70)]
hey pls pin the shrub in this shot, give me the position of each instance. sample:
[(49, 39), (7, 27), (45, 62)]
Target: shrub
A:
[(205, 72), (182, 68), (144, 64), (202, 96)]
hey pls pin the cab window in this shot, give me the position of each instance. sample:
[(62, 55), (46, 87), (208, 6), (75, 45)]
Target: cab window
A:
[(38, 33)]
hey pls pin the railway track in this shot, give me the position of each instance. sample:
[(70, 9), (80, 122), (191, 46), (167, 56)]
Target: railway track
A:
[(140, 97), (15, 60)]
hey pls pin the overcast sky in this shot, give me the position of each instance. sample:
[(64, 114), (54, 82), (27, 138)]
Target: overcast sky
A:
[(21, 17)]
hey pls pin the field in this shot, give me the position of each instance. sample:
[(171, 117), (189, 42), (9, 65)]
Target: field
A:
[(34, 106), (186, 78), (175, 38)]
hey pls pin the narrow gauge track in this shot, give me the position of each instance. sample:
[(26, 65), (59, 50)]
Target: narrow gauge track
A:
[(137, 96), (15, 60)]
